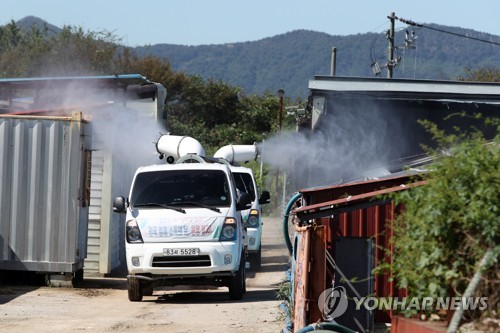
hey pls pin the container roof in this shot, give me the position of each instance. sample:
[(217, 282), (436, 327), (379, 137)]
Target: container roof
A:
[(328, 201), (415, 89), (123, 80), (56, 95)]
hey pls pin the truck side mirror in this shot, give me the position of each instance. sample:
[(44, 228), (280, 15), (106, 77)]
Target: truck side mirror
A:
[(265, 198), (120, 205), (244, 202)]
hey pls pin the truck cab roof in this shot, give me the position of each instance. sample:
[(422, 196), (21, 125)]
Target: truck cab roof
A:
[(184, 166)]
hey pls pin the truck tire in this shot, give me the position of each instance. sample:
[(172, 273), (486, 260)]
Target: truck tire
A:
[(237, 283), (256, 259), (134, 290), (147, 290)]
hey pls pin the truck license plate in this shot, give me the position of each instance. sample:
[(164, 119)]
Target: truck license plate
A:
[(181, 252)]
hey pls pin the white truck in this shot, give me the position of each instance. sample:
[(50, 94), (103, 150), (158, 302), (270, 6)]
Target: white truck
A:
[(245, 182), (183, 223)]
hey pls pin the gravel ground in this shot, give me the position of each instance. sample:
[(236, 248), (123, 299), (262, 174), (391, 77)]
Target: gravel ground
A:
[(100, 304)]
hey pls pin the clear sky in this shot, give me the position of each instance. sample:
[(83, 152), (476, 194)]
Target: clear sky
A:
[(197, 22)]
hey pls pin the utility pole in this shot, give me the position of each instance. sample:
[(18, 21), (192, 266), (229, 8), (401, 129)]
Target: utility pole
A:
[(281, 94), (390, 51)]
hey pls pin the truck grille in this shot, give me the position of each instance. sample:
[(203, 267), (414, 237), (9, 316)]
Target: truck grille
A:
[(182, 261)]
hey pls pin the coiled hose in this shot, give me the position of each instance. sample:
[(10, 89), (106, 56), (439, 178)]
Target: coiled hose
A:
[(288, 208)]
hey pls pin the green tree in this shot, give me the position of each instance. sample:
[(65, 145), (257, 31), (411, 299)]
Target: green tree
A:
[(449, 223), (10, 36), (213, 112), (71, 52), (483, 74)]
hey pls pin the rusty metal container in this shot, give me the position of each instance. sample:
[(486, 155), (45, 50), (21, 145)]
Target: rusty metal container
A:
[(332, 214)]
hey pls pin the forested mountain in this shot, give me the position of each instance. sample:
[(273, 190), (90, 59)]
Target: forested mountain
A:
[(289, 60), (28, 22)]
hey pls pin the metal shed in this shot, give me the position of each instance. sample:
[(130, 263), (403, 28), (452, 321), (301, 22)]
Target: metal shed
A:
[(44, 193), (341, 228), (374, 121), (340, 234)]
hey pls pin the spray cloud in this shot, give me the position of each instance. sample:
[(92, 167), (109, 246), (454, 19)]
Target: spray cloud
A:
[(125, 132), (348, 145)]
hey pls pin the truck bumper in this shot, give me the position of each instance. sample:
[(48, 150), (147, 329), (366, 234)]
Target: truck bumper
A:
[(213, 257), (254, 239)]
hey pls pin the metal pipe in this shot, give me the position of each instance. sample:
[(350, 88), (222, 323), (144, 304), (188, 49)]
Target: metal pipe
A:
[(281, 93), (333, 66), (469, 291)]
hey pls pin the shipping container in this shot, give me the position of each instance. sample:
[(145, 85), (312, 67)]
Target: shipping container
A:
[(44, 193), (111, 103), (342, 234)]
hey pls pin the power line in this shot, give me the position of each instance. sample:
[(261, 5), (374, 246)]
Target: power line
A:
[(444, 31)]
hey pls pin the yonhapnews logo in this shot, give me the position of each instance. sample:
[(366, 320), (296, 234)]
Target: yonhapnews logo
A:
[(424, 303), (333, 302)]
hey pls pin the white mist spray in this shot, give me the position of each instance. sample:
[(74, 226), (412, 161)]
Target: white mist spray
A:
[(344, 146), (124, 131)]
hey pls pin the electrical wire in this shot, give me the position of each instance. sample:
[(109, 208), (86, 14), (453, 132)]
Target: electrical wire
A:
[(377, 29), (445, 31), (372, 46), (377, 33)]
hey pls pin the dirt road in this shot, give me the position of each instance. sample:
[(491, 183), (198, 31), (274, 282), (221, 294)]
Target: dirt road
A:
[(101, 304)]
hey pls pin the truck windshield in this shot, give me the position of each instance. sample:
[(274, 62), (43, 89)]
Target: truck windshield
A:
[(182, 188), (244, 183)]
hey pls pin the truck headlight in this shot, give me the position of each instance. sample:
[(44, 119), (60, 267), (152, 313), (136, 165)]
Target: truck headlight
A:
[(253, 219), (228, 232), (133, 233)]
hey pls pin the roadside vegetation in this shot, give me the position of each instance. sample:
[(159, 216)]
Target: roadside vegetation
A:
[(450, 227)]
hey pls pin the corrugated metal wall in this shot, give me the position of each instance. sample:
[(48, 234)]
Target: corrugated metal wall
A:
[(43, 193), (105, 242), (112, 175), (116, 180), (94, 244), (354, 210)]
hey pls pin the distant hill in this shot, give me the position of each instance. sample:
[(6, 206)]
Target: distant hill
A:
[(288, 61), (28, 22)]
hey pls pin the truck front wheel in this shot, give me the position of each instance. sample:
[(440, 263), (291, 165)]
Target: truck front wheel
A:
[(256, 259), (237, 283), (134, 289)]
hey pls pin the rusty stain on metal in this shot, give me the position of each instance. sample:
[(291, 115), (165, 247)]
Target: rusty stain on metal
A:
[(318, 269), (350, 199), (301, 279)]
